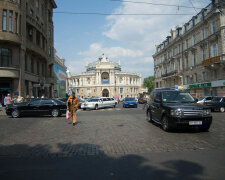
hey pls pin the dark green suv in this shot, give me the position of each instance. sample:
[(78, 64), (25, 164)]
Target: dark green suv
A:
[(173, 109)]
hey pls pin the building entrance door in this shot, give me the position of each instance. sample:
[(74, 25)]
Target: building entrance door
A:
[(105, 93)]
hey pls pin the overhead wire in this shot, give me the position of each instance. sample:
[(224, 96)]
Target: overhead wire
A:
[(155, 4), (120, 14), (193, 6)]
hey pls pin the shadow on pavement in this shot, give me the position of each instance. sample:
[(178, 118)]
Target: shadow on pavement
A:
[(86, 161)]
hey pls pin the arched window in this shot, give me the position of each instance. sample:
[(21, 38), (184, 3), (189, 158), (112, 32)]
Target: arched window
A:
[(105, 78), (5, 57)]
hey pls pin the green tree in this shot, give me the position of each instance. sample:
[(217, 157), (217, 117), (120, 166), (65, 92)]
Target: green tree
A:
[(149, 83)]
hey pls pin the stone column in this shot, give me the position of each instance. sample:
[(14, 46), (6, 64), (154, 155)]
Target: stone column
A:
[(22, 73), (222, 23)]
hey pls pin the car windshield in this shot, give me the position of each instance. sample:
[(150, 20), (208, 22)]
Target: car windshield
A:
[(93, 100), (217, 99), (177, 96), (129, 99)]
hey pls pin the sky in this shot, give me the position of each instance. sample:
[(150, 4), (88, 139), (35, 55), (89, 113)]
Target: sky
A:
[(81, 38)]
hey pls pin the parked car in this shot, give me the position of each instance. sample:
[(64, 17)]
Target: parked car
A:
[(80, 102), (97, 103), (173, 109), (205, 99), (217, 104), (130, 102), (43, 106)]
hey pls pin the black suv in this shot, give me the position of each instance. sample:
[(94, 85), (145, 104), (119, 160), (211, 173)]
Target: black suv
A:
[(173, 108)]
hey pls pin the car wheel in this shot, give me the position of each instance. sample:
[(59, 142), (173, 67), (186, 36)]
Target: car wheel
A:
[(96, 107), (149, 116), (15, 113), (84, 109), (222, 109), (165, 124), (55, 113)]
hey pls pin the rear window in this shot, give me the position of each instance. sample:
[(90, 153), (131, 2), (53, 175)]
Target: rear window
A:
[(46, 101), (35, 102)]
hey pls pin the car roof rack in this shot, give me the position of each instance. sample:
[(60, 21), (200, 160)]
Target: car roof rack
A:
[(165, 89)]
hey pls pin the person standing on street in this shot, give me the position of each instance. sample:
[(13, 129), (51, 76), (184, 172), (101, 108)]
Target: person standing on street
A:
[(7, 100), (72, 106)]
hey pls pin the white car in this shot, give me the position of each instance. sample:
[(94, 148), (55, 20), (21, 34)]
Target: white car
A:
[(203, 100), (97, 103)]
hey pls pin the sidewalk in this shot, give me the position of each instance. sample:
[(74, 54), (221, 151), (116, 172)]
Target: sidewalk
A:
[(2, 112)]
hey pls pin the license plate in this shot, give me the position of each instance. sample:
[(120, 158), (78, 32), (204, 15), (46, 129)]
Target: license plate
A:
[(195, 122), (131, 104)]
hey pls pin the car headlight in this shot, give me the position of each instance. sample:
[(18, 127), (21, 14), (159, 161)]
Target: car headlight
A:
[(177, 112), (206, 112)]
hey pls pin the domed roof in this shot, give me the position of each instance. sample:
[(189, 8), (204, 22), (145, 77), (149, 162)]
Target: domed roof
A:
[(103, 59)]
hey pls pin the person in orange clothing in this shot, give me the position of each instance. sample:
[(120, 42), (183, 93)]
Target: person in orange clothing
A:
[(72, 106)]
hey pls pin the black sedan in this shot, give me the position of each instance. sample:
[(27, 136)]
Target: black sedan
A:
[(51, 107)]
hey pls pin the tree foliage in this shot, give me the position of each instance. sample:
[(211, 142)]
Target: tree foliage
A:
[(149, 83)]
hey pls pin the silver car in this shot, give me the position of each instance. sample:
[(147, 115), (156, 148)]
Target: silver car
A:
[(97, 103)]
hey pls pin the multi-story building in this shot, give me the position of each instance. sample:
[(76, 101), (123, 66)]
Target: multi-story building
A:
[(105, 78), (26, 47), (193, 55), (59, 70)]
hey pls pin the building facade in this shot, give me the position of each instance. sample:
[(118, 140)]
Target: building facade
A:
[(59, 71), (26, 47), (193, 55), (104, 78)]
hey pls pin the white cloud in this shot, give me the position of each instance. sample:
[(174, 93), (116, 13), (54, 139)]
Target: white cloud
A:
[(96, 50), (76, 66), (136, 36), (142, 33)]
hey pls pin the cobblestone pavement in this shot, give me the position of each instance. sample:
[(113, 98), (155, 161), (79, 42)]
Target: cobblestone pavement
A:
[(109, 132)]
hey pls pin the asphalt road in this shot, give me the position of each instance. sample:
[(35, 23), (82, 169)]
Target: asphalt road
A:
[(109, 144)]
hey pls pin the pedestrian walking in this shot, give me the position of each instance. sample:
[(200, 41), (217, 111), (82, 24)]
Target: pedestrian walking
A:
[(14, 99), (72, 106), (8, 100)]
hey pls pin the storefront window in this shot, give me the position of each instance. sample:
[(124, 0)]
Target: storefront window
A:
[(5, 57)]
